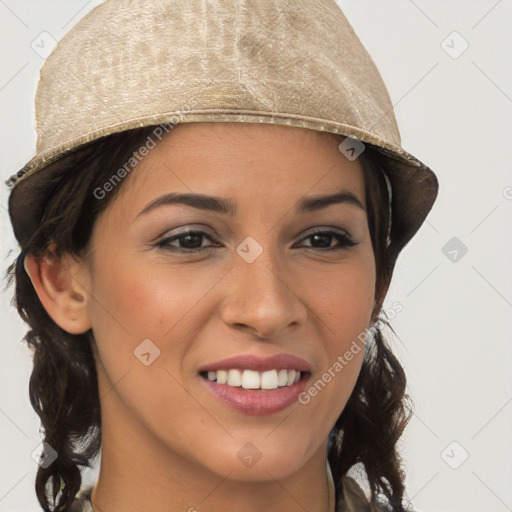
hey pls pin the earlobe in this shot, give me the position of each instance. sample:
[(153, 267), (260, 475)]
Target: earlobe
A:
[(57, 282)]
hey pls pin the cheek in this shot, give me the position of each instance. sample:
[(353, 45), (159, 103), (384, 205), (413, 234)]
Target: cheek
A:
[(344, 309), (344, 297), (133, 301)]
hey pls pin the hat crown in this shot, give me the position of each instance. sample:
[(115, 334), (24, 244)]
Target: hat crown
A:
[(131, 63)]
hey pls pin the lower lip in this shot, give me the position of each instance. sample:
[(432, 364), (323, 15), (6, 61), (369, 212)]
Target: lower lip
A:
[(257, 402)]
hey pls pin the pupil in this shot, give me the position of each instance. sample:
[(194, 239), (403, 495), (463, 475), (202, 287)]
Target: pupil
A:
[(191, 238), (326, 239)]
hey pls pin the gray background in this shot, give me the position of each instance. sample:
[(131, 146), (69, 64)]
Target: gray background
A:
[(454, 109)]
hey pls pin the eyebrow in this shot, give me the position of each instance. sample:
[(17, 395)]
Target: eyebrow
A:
[(311, 204), (200, 201), (226, 206)]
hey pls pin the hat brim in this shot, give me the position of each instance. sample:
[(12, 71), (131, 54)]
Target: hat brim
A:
[(414, 185)]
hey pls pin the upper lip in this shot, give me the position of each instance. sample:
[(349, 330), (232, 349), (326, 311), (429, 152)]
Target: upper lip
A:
[(260, 364)]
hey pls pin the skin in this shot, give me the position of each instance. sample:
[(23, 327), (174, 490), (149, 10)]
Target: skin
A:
[(168, 443)]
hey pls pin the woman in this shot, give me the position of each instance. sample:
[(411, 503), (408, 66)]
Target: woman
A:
[(207, 233)]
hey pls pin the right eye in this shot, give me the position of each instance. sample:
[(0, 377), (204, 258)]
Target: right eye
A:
[(187, 241)]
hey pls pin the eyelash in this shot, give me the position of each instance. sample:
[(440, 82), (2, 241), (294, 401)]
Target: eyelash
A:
[(345, 241)]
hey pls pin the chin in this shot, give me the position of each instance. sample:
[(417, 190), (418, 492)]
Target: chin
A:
[(258, 461)]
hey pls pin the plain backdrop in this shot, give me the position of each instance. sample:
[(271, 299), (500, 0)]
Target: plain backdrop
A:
[(448, 68)]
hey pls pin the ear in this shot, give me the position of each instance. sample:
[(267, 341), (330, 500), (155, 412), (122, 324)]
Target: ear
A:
[(60, 282)]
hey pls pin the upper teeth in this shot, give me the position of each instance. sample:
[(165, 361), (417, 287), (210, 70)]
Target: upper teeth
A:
[(250, 379)]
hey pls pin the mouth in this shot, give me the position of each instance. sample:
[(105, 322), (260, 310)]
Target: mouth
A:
[(257, 386), (251, 379)]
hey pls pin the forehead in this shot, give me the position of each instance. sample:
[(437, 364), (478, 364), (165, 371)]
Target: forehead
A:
[(240, 160)]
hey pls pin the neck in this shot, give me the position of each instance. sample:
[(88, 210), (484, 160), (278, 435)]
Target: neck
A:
[(131, 485)]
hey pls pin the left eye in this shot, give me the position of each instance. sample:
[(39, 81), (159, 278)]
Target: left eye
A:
[(321, 240)]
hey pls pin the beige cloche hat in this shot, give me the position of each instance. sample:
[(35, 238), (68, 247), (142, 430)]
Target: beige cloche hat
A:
[(134, 63)]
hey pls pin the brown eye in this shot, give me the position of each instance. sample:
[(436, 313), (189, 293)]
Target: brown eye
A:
[(186, 241), (322, 240)]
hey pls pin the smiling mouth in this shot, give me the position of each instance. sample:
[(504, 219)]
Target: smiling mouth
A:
[(254, 380)]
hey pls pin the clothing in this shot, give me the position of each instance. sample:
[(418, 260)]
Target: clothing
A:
[(354, 501)]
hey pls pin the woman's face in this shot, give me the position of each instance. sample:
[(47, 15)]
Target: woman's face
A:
[(263, 280)]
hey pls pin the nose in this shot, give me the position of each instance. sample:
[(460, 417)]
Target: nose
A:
[(261, 298)]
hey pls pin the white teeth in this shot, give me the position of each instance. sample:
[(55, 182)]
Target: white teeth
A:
[(234, 378), (282, 377), (222, 376), (269, 380), (250, 379)]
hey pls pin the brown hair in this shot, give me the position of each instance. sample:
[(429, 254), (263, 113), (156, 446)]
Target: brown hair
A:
[(63, 386)]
